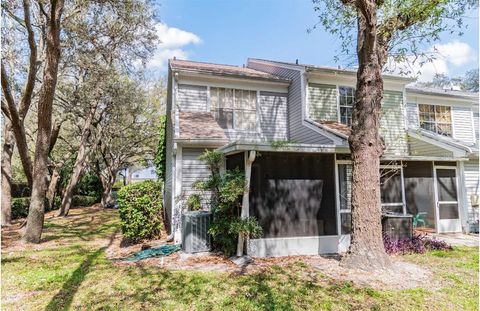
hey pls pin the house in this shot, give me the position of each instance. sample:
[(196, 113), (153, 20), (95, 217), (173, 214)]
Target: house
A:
[(140, 173), (287, 125)]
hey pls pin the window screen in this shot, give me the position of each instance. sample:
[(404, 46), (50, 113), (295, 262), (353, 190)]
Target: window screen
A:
[(234, 109), (436, 119), (346, 100)]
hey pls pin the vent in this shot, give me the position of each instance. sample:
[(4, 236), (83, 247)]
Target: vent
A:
[(397, 226), (195, 237)]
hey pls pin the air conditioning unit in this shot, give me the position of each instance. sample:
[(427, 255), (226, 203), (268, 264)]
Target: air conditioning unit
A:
[(397, 226), (195, 237)]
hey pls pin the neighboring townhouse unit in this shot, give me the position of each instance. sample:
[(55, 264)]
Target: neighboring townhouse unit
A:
[(288, 125)]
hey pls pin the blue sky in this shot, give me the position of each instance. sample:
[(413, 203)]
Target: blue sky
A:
[(229, 32)]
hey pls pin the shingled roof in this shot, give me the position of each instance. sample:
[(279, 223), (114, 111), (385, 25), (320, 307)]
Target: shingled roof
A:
[(200, 125), (337, 127), (222, 70)]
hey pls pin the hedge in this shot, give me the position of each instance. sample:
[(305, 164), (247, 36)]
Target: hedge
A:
[(84, 200), (20, 205), (140, 210)]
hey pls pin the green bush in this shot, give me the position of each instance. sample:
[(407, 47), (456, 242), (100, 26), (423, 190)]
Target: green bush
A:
[(89, 185), (194, 202), (84, 200), (227, 189), (140, 209), (20, 207)]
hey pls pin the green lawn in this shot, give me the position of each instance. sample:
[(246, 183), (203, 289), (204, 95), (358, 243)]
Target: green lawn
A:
[(72, 272)]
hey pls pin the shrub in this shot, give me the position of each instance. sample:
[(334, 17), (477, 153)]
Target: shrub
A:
[(20, 207), (140, 209), (227, 190), (89, 185), (84, 200), (117, 185), (418, 244), (194, 202)]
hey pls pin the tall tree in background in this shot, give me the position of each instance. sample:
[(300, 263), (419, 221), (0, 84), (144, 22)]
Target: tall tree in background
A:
[(95, 35), (469, 81), (383, 29), (129, 134), (99, 63)]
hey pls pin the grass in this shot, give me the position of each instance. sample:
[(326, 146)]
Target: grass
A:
[(71, 271)]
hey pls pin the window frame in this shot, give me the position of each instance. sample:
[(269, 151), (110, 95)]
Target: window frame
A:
[(235, 111), (436, 123), (340, 106)]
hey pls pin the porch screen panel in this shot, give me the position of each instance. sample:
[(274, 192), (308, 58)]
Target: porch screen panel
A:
[(419, 192), (447, 185), (391, 190), (293, 194)]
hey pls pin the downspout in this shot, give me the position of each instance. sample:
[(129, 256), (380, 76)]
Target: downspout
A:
[(249, 158)]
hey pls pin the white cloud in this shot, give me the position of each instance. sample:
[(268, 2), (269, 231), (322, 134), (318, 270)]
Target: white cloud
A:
[(445, 57), (173, 42)]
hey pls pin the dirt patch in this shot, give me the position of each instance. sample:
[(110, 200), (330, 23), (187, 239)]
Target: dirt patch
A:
[(403, 275), (81, 222)]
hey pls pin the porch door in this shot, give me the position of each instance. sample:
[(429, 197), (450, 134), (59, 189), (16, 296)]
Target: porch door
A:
[(446, 193)]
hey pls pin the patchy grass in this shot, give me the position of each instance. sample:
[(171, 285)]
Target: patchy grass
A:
[(70, 271)]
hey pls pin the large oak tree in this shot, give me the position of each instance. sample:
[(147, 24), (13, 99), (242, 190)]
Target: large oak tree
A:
[(383, 30)]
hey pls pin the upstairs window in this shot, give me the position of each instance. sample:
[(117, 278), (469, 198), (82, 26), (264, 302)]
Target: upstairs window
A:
[(234, 109), (437, 119), (346, 100)]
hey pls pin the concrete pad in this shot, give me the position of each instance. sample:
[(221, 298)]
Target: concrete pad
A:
[(458, 239)]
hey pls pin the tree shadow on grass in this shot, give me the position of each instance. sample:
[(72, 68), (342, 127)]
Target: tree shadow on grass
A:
[(63, 299)]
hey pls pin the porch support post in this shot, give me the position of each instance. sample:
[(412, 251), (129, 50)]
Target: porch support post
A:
[(249, 158), (463, 197)]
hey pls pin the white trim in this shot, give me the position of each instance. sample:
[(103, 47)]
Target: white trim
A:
[(177, 190), (337, 196), (241, 84), (438, 202), (290, 246), (337, 100), (463, 197), (474, 136), (438, 143), (403, 190)]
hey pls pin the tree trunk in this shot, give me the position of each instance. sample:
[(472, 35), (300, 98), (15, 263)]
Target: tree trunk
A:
[(107, 185), (7, 151), (107, 197), (68, 192), (52, 188), (82, 155), (367, 251), (35, 219)]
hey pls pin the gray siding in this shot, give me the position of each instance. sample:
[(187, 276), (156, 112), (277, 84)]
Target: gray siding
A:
[(322, 102), (193, 169), (392, 124), (192, 97), (297, 131), (273, 116), (168, 186), (421, 148), (412, 115), (462, 124)]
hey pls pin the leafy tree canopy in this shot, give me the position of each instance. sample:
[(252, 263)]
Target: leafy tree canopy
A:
[(406, 26)]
